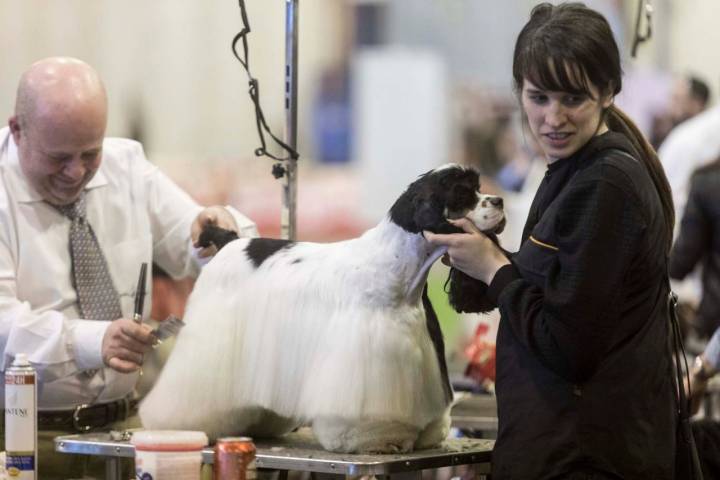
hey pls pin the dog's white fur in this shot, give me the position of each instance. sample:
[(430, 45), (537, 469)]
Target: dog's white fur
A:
[(320, 334)]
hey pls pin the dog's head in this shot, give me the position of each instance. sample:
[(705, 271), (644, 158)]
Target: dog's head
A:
[(447, 192)]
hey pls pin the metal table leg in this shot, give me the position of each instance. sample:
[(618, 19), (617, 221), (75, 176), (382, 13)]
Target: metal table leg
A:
[(113, 469), (416, 475)]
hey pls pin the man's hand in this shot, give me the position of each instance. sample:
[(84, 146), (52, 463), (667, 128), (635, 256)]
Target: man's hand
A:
[(124, 344), (215, 215)]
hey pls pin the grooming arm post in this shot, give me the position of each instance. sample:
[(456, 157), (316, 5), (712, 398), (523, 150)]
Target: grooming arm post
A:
[(289, 201)]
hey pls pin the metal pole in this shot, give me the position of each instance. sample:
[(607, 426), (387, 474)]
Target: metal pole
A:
[(289, 207)]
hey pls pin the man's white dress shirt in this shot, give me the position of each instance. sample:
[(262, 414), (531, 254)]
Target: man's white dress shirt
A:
[(138, 215), (689, 146)]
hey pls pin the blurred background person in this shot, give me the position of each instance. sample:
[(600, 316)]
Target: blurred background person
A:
[(706, 430), (689, 96), (698, 244)]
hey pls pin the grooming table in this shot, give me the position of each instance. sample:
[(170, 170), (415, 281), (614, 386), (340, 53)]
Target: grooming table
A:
[(299, 451)]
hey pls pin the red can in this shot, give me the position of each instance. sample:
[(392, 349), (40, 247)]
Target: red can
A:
[(234, 459)]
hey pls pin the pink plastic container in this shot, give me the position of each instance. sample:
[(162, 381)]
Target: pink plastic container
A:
[(168, 454)]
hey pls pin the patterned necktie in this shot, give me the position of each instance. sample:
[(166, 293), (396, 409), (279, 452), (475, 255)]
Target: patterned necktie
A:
[(97, 297)]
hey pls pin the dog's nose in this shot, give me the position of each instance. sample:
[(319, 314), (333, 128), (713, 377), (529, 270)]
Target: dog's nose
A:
[(496, 201)]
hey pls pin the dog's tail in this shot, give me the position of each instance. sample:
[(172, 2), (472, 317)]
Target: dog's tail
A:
[(214, 235)]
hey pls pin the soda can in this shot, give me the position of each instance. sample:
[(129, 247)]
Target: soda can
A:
[(234, 459)]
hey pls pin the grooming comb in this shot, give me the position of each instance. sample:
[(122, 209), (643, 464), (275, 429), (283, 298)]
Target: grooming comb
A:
[(171, 326)]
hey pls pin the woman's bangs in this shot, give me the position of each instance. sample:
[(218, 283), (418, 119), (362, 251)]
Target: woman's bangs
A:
[(554, 73)]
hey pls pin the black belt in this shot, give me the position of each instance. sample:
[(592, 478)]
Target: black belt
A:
[(87, 417)]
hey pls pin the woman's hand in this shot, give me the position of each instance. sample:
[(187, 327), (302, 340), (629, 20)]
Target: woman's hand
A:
[(471, 252)]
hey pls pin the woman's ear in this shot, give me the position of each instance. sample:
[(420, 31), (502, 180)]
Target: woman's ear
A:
[(608, 95), (607, 100)]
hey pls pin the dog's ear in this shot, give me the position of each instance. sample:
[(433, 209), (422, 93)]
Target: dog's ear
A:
[(461, 197), (466, 294), (429, 214)]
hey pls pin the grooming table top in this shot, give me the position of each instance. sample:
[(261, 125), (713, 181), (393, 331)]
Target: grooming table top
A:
[(300, 451)]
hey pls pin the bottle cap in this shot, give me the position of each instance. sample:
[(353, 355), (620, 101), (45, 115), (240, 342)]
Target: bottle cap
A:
[(169, 440), (21, 360)]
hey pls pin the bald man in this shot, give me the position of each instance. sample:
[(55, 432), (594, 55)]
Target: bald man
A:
[(53, 154)]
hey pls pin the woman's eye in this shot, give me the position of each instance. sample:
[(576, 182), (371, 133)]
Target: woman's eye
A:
[(574, 99), (538, 98)]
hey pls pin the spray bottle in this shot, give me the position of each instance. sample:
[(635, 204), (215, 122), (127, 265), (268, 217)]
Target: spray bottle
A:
[(21, 419)]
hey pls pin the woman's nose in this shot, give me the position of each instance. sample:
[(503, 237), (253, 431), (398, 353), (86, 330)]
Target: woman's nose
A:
[(555, 115)]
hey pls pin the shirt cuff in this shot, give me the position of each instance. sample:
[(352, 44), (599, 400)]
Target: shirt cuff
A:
[(86, 337), (506, 274), (246, 227)]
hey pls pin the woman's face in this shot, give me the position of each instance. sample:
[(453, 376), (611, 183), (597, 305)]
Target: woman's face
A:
[(563, 122)]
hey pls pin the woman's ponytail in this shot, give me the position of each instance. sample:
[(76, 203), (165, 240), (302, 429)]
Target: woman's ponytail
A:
[(617, 121)]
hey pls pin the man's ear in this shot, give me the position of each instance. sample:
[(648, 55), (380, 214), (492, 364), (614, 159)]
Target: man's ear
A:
[(14, 125)]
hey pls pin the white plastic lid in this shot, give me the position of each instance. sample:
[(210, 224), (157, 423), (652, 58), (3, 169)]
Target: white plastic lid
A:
[(169, 440), (21, 360)]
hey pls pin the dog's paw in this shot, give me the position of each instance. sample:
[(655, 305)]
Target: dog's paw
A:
[(364, 435), (399, 447)]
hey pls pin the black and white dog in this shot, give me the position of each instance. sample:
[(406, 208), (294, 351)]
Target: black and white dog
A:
[(340, 336)]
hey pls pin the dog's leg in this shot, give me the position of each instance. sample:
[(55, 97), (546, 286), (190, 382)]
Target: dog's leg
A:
[(435, 432), (364, 435)]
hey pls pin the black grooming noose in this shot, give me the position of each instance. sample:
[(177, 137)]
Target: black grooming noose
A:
[(278, 169), (639, 38)]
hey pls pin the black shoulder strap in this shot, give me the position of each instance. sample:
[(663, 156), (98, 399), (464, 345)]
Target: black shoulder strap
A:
[(686, 451)]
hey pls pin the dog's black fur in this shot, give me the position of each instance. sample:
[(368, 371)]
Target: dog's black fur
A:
[(214, 235)]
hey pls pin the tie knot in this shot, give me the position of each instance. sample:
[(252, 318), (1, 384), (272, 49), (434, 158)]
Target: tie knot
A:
[(73, 210)]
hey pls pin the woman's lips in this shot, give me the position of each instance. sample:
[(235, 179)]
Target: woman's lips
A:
[(558, 139)]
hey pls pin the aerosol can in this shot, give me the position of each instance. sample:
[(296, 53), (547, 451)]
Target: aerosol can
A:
[(21, 419)]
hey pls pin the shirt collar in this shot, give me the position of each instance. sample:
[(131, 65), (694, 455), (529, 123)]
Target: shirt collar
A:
[(22, 188)]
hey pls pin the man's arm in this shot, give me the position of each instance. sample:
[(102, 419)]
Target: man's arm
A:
[(176, 221), (57, 345)]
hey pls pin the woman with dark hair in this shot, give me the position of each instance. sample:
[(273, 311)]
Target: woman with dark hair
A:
[(584, 384)]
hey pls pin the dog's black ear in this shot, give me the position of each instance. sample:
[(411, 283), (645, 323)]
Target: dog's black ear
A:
[(466, 294), (461, 197), (429, 215)]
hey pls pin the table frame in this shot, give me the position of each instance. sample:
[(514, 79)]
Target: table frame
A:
[(299, 451)]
